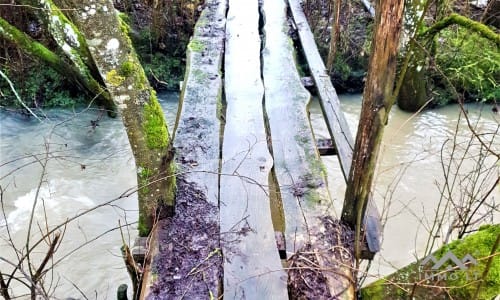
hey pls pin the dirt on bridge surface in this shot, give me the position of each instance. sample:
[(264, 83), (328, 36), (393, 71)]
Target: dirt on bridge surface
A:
[(189, 263), (305, 279)]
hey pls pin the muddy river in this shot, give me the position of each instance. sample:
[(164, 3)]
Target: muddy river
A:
[(72, 162)]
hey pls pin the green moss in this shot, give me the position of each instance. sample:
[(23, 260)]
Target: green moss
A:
[(127, 68), (196, 45), (143, 178), (479, 245), (374, 291), (464, 22), (142, 227), (124, 22), (154, 126), (113, 78), (460, 284)]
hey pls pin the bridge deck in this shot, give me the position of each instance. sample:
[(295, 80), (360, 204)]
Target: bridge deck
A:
[(245, 147)]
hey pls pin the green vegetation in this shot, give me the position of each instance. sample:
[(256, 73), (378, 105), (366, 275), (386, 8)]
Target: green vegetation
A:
[(460, 284), (142, 227), (127, 68), (470, 62), (164, 70), (43, 88), (144, 175), (479, 245)]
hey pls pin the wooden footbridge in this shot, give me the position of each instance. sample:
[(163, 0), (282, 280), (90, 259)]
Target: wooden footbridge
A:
[(244, 145)]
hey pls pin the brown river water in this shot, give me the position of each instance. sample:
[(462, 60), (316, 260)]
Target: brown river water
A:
[(90, 166)]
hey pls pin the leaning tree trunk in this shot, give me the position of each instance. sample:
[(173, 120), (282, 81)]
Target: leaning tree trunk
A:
[(377, 100), (72, 43), (141, 113), (39, 52)]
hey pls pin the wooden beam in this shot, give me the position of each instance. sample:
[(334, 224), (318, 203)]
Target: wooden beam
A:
[(369, 7), (196, 132), (330, 104), (299, 170), (334, 117), (252, 266)]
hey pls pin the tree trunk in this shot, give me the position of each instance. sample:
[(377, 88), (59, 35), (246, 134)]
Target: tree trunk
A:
[(334, 34), (44, 55), (114, 56), (73, 44), (377, 99), (413, 93)]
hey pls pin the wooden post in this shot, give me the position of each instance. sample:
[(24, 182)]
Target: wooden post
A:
[(374, 112)]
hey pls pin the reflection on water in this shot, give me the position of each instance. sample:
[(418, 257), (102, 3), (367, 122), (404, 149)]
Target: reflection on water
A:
[(92, 165)]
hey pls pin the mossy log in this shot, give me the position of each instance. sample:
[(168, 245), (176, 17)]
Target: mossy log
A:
[(479, 28), (420, 281), (44, 55), (147, 131), (65, 34)]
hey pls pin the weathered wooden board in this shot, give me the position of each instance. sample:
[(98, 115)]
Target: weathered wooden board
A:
[(197, 128), (299, 171), (252, 267), (335, 120), (334, 117), (196, 133)]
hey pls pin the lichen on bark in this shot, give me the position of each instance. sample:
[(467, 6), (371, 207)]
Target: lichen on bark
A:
[(142, 116), (43, 54)]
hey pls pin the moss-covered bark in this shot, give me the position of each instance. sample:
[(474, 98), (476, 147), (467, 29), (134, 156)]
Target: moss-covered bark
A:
[(421, 282), (413, 93), (457, 19), (65, 34), (41, 53), (114, 56)]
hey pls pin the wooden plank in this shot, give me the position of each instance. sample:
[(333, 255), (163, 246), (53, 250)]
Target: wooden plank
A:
[(197, 128), (330, 104), (196, 133), (252, 267), (335, 119), (299, 171)]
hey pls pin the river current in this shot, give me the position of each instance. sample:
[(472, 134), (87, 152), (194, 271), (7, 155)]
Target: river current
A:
[(76, 160)]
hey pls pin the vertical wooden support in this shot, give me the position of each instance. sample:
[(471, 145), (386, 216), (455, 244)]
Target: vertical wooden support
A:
[(377, 100)]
